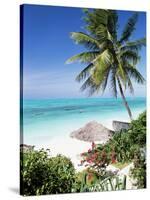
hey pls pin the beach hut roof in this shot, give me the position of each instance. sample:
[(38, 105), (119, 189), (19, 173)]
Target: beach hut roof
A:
[(93, 131)]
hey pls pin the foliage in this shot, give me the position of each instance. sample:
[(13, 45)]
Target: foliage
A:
[(108, 182), (84, 180), (122, 148), (127, 143), (98, 158), (139, 170), (41, 174)]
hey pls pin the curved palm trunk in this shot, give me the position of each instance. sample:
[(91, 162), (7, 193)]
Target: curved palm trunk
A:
[(124, 100)]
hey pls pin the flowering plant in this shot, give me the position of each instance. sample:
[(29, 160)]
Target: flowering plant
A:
[(98, 157)]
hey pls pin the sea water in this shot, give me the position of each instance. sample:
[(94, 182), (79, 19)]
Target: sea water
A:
[(45, 119)]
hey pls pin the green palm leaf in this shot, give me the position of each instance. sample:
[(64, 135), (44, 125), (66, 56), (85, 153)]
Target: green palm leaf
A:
[(129, 55), (101, 63), (129, 28), (86, 40), (129, 84), (94, 19), (90, 86), (84, 57), (85, 72), (135, 74), (113, 24), (135, 45)]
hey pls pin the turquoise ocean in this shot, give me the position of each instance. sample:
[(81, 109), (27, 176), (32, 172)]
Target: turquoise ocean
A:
[(49, 118)]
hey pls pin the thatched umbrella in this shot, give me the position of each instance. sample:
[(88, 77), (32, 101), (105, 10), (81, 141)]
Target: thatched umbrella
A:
[(93, 131)]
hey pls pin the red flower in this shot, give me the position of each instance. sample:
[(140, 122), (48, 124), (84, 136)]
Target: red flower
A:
[(89, 160), (113, 160)]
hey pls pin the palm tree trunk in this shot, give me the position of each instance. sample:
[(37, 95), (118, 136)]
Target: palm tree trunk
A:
[(124, 100)]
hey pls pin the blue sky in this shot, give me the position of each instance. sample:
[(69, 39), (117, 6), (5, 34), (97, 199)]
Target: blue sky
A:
[(47, 45)]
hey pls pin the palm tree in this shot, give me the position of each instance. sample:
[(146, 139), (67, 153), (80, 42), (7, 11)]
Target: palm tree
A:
[(110, 58)]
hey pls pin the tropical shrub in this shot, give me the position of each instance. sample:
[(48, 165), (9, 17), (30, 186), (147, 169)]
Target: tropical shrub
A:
[(138, 173), (127, 143), (108, 182), (84, 180), (122, 148), (41, 174)]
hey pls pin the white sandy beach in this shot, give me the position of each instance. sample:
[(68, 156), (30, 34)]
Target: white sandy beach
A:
[(68, 146)]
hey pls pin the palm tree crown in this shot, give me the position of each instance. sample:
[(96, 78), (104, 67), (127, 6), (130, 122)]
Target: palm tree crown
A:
[(109, 58)]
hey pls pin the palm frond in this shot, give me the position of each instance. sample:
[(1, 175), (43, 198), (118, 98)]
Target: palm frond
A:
[(105, 80), (84, 73), (102, 33), (130, 56), (134, 46), (129, 84), (93, 87), (101, 63), (86, 40), (112, 24), (135, 74), (90, 86), (84, 57), (129, 28), (94, 19)]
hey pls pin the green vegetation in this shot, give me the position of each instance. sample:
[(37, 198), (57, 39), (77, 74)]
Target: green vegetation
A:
[(41, 174), (112, 183), (111, 59), (127, 143), (125, 147), (139, 171), (90, 181)]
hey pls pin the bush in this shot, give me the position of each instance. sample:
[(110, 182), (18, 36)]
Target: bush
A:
[(41, 174), (123, 148), (84, 180), (138, 173), (127, 143), (97, 158), (90, 181)]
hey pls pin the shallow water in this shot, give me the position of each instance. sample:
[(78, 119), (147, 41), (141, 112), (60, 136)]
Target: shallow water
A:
[(47, 119)]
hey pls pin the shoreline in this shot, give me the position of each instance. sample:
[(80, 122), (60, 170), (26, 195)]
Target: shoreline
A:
[(67, 146)]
